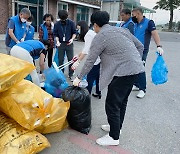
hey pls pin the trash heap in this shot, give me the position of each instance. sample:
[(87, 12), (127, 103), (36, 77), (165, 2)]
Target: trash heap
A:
[(26, 110)]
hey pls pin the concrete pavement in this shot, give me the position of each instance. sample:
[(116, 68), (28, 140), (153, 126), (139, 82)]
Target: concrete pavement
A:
[(152, 124)]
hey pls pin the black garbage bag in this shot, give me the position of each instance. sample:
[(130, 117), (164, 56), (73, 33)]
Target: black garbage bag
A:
[(79, 114)]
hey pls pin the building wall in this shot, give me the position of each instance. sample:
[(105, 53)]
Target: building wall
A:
[(52, 8), (5, 13), (112, 8), (72, 12)]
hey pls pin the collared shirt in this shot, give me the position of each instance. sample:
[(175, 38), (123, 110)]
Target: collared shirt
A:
[(66, 30), (120, 53)]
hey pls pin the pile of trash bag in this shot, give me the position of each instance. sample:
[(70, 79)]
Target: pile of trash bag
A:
[(30, 108), (55, 82), (79, 114), (57, 120), (14, 139), (12, 71)]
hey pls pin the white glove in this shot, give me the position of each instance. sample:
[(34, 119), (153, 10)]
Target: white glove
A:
[(17, 42), (22, 40), (70, 41), (75, 65), (58, 44), (160, 50), (76, 82)]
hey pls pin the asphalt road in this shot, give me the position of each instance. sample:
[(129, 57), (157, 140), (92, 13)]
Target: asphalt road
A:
[(152, 124)]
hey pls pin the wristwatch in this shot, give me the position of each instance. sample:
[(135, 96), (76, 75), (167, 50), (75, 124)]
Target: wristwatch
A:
[(159, 46)]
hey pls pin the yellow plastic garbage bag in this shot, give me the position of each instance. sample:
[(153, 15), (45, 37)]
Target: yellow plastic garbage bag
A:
[(12, 70), (27, 104), (57, 120), (15, 139)]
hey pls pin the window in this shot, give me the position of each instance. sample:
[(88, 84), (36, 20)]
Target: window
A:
[(82, 13), (62, 6)]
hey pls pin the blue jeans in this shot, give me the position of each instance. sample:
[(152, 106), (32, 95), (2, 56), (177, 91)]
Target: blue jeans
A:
[(92, 76), (141, 79)]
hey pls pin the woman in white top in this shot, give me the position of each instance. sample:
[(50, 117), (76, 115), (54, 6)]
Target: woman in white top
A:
[(93, 75)]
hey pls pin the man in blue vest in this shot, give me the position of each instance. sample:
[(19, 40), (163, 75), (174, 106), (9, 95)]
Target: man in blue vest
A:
[(144, 29), (128, 23), (16, 28), (29, 51)]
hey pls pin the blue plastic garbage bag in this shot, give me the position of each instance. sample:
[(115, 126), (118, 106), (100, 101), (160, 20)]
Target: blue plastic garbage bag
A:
[(55, 82), (159, 72), (28, 77), (56, 57)]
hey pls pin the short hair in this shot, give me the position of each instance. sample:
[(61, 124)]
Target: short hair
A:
[(63, 14), (25, 11), (47, 16), (126, 11), (138, 9), (31, 18), (100, 18)]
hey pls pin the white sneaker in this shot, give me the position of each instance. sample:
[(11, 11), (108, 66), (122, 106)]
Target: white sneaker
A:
[(134, 88), (107, 140), (141, 94), (106, 128)]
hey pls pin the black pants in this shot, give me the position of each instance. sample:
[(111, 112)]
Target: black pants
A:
[(68, 49), (116, 102), (50, 54), (92, 76)]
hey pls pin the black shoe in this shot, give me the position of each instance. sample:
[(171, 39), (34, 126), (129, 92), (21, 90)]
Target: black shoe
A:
[(97, 95)]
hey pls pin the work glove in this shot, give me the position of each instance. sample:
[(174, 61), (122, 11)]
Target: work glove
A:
[(75, 65), (70, 41), (22, 40), (58, 44), (17, 42), (75, 58), (160, 50), (76, 82)]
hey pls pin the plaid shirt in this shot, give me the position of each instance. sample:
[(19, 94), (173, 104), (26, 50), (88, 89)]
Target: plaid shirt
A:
[(50, 35)]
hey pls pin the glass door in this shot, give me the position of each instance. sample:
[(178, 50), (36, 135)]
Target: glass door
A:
[(34, 12)]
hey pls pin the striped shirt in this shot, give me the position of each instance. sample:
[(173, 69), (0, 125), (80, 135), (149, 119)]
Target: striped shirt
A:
[(120, 53)]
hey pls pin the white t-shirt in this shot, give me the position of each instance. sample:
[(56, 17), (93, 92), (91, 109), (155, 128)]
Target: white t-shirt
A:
[(88, 39)]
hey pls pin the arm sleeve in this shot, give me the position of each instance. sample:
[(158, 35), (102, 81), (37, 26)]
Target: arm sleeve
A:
[(11, 24), (138, 45), (88, 40), (73, 28), (55, 31), (151, 26), (131, 27), (97, 46)]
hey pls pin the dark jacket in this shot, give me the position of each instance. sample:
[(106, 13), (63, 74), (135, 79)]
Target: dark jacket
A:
[(68, 30)]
